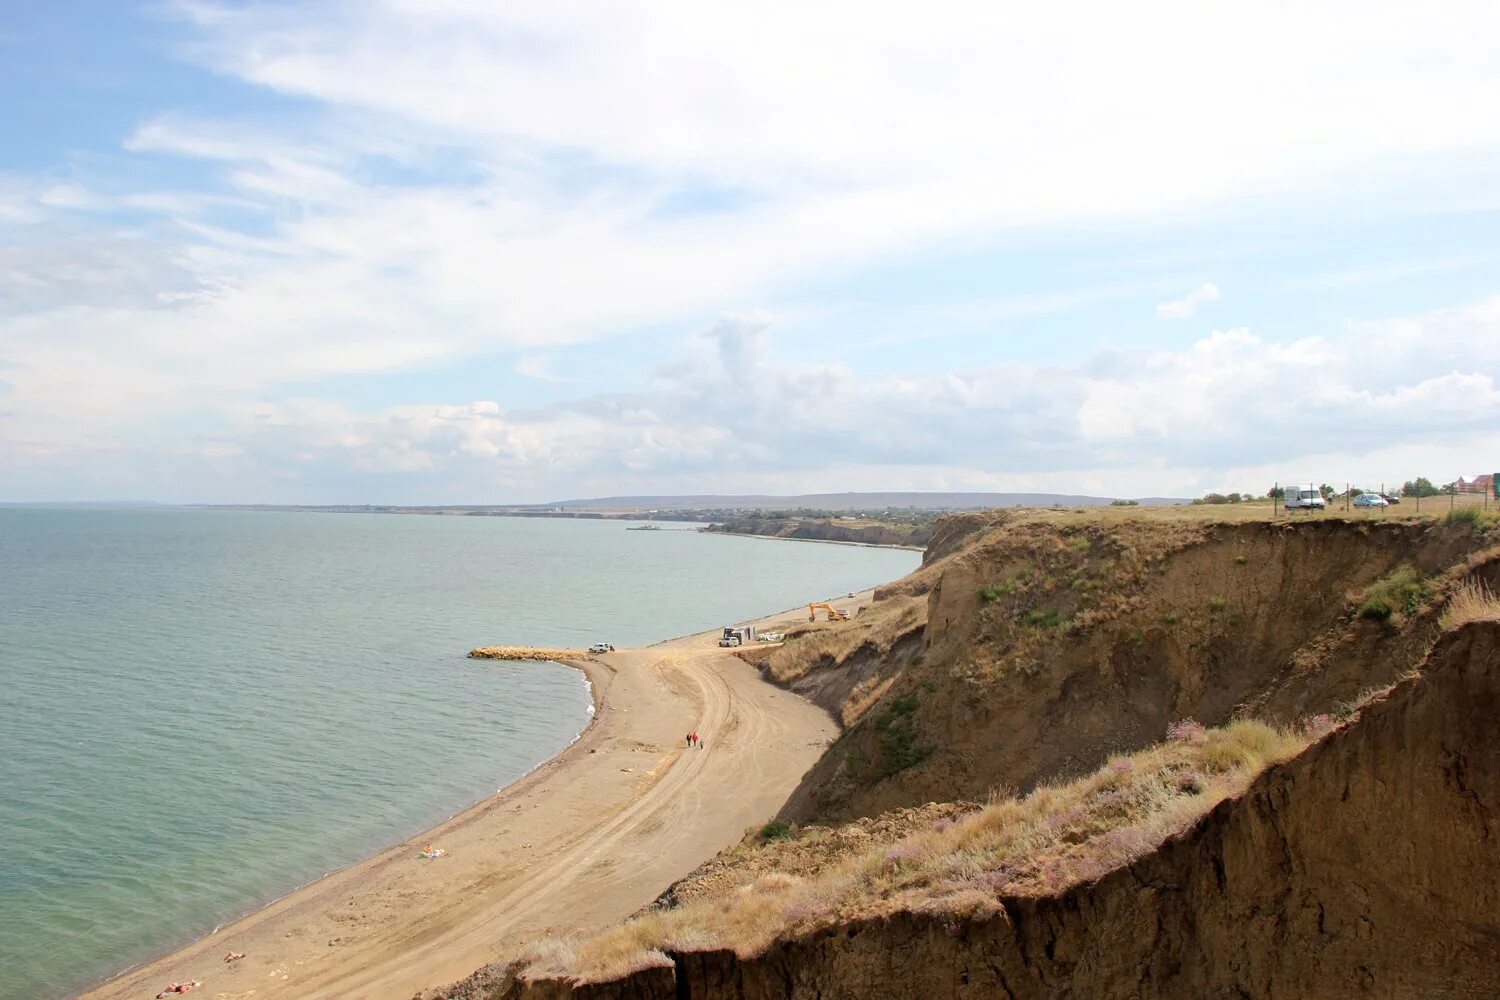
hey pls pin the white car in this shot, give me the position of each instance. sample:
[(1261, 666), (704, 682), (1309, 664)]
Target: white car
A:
[(1371, 500), (601, 647)]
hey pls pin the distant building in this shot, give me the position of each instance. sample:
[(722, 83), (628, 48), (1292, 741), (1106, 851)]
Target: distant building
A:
[(1479, 484)]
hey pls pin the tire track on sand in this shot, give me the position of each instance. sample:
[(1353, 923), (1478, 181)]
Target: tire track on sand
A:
[(650, 826)]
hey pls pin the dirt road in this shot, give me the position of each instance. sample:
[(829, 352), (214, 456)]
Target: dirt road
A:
[(586, 839)]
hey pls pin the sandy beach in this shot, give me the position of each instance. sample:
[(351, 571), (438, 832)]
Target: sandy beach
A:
[(587, 838)]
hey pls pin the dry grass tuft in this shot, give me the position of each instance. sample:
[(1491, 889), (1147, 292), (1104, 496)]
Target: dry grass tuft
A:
[(1042, 844), (1471, 601)]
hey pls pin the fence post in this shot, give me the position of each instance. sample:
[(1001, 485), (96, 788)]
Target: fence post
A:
[(1275, 503)]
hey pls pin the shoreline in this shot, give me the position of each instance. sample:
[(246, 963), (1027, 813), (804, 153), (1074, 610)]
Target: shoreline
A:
[(602, 676), (702, 526), (590, 671)]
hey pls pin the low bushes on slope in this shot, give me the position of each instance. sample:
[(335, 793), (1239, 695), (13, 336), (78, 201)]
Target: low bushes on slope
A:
[(1037, 845), (1401, 591), (1051, 643)]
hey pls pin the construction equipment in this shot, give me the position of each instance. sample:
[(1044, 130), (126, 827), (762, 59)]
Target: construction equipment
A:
[(834, 614), (737, 635)]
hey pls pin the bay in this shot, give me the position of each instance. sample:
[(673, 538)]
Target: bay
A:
[(202, 710)]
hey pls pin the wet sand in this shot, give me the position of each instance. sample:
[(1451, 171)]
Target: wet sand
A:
[(587, 838)]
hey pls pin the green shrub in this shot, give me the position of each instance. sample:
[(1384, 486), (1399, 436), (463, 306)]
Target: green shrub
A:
[(776, 830), (1400, 590), (896, 734), (1043, 619), (1216, 603), (1124, 503), (1240, 560), (1464, 515), (1079, 544), (1170, 618)]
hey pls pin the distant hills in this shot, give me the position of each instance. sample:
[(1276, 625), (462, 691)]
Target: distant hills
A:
[(849, 501), (702, 502)]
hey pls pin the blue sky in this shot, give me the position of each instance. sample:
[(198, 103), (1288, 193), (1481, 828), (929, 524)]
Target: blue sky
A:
[(449, 252)]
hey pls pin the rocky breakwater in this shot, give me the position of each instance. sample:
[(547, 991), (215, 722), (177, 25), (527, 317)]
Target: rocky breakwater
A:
[(528, 653)]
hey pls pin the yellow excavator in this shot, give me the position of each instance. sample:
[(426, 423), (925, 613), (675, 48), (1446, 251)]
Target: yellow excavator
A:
[(834, 614)]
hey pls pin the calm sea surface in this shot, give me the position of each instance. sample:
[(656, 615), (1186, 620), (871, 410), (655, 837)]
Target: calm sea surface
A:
[(200, 711)]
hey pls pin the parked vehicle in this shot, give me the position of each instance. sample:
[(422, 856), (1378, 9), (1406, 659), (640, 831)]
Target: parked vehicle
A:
[(1370, 500), (737, 635), (601, 647), (1390, 498), (1304, 497)]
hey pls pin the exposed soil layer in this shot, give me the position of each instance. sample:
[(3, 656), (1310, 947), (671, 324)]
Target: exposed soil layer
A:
[(1367, 866), (1043, 647)]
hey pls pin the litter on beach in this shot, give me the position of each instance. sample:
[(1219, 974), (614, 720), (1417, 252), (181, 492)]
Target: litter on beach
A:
[(431, 853)]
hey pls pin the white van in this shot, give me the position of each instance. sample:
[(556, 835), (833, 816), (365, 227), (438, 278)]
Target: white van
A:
[(1304, 496)]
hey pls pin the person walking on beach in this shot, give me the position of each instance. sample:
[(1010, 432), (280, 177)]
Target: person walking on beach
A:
[(689, 739)]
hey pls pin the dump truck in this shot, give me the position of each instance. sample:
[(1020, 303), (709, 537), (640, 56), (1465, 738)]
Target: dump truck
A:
[(737, 635)]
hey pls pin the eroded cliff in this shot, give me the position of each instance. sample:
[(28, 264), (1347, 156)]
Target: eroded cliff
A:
[(1365, 866)]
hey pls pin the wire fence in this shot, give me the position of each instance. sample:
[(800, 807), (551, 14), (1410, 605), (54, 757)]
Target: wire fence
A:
[(1415, 496)]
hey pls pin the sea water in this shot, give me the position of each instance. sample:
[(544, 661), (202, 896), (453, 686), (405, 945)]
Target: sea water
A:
[(202, 710)]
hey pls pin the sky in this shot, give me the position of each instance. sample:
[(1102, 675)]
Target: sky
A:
[(452, 251)]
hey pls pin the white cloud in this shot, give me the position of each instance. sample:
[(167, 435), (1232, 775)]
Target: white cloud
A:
[(540, 368), (1234, 410), (474, 179), (1187, 305)]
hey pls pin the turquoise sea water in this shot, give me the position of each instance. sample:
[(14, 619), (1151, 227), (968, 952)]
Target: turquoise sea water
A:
[(202, 710)]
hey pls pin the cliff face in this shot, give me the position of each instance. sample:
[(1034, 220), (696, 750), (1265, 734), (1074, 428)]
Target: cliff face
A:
[(1367, 866), (1047, 647)]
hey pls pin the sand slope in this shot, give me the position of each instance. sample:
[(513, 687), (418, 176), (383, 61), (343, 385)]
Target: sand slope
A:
[(587, 838)]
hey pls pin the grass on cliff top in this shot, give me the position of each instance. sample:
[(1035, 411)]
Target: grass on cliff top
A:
[(1470, 507), (1042, 844)]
